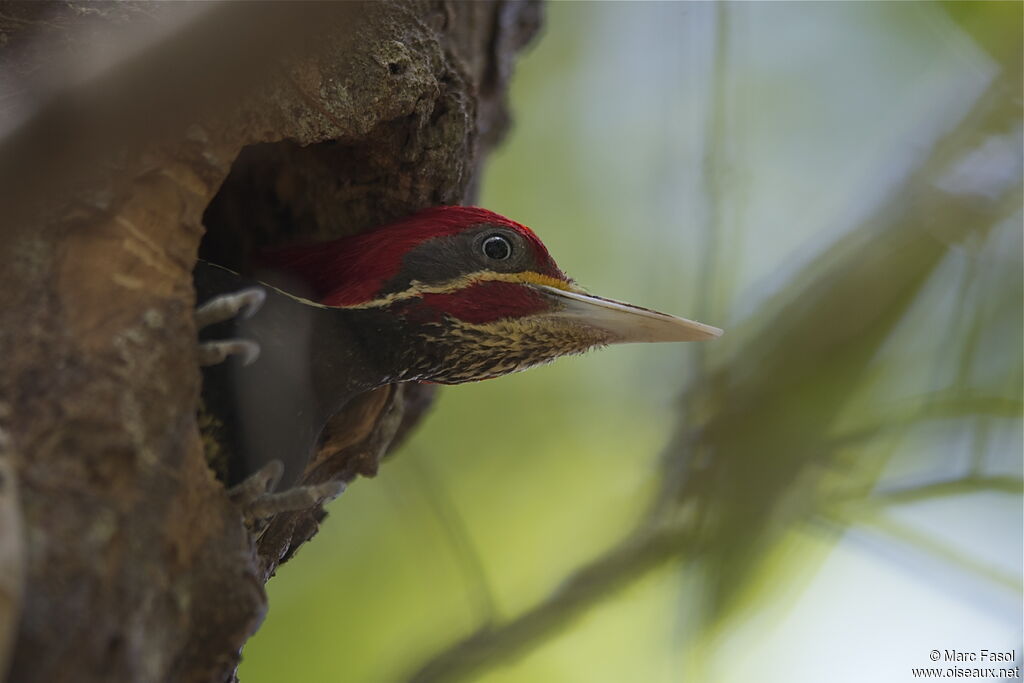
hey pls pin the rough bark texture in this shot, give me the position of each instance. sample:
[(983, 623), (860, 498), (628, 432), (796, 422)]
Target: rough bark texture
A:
[(121, 557)]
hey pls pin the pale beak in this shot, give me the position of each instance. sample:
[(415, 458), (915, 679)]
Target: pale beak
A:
[(625, 323)]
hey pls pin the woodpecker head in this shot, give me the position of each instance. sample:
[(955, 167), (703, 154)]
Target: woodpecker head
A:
[(474, 294)]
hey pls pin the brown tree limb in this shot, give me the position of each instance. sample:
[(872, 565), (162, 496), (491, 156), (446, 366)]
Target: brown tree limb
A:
[(136, 565)]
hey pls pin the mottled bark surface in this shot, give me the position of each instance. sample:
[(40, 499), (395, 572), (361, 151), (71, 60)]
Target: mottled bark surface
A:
[(127, 128)]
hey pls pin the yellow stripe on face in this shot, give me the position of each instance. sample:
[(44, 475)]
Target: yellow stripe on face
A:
[(417, 288), (531, 278)]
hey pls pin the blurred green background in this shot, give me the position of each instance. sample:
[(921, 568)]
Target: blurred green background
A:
[(827, 493)]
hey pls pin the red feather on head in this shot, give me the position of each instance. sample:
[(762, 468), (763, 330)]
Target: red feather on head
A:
[(352, 270)]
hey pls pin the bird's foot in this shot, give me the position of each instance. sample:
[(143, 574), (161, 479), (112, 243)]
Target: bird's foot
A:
[(256, 499), (218, 309)]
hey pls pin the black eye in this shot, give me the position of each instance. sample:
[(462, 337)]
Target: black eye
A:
[(497, 247)]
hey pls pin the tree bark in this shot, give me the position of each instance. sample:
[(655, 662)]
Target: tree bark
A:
[(127, 129)]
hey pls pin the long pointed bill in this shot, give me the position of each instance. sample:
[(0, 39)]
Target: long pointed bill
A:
[(625, 323)]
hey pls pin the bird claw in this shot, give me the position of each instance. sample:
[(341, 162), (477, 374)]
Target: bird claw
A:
[(255, 498), (243, 303), (211, 353)]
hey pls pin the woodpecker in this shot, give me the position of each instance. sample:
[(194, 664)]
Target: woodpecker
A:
[(448, 295)]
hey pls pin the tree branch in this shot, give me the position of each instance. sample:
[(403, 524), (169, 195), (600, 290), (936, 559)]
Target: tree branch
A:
[(120, 124)]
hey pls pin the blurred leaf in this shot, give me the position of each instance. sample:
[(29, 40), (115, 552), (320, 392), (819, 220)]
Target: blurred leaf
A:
[(754, 464), (998, 27)]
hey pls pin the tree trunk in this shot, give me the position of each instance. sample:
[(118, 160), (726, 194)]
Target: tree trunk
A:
[(126, 129)]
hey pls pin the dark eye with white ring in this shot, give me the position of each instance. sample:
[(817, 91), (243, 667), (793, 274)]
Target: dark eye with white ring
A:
[(497, 248)]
